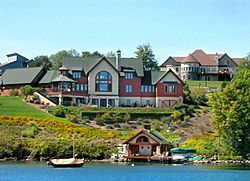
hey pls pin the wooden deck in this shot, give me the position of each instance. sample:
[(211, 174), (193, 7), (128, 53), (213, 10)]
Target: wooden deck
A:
[(150, 158)]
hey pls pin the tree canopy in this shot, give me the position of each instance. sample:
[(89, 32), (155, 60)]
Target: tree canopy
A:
[(87, 54), (56, 59), (110, 54), (42, 60), (146, 53), (231, 113)]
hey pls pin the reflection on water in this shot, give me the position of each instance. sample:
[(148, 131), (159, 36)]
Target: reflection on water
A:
[(123, 171)]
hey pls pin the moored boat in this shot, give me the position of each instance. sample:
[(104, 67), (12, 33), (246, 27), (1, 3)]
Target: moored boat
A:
[(70, 162), (67, 162), (182, 155)]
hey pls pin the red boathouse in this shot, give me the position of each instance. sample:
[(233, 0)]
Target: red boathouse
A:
[(147, 145)]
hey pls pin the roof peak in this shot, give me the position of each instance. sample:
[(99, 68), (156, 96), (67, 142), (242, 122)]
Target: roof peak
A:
[(190, 59)]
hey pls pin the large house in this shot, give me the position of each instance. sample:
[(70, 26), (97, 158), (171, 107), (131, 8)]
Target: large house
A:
[(14, 60), (106, 82), (202, 66)]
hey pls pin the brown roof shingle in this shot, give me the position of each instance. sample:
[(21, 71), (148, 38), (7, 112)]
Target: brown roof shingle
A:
[(203, 58), (238, 61), (178, 59), (189, 59)]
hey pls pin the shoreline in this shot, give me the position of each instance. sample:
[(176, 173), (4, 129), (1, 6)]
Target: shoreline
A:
[(201, 162)]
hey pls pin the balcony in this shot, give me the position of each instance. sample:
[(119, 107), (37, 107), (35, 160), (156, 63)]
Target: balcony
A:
[(66, 91)]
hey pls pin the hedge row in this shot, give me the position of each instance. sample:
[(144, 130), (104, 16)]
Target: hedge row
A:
[(134, 115)]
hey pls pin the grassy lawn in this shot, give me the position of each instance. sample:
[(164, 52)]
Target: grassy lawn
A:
[(14, 106), (214, 84)]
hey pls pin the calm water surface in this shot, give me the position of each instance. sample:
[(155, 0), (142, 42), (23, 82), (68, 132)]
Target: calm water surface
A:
[(108, 172)]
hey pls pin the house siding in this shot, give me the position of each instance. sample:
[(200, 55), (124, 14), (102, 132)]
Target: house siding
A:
[(19, 63), (136, 84), (103, 66), (161, 87)]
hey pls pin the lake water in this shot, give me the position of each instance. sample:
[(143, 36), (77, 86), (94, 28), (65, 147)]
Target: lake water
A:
[(107, 172)]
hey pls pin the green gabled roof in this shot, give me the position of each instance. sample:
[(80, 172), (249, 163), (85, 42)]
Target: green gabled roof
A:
[(157, 75), (152, 77), (134, 63), (151, 134), (77, 64), (49, 76), (20, 75), (62, 78), (157, 137), (86, 64)]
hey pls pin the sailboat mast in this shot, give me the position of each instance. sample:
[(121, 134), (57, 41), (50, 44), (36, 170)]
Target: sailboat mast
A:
[(73, 148)]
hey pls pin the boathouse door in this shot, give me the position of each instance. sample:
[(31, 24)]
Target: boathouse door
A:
[(145, 150)]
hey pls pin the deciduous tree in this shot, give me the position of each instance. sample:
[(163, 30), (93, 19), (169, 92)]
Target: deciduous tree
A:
[(87, 54), (231, 113), (146, 53), (56, 59), (41, 61)]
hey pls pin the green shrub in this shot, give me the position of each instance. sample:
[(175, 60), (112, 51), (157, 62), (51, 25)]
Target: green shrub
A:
[(139, 120), (30, 130), (109, 127), (58, 111), (176, 115), (127, 117), (186, 118), (199, 96), (13, 92), (100, 122), (111, 118), (223, 84), (117, 125), (190, 110), (157, 126), (27, 90), (133, 127), (167, 120), (204, 145), (72, 118), (85, 118)]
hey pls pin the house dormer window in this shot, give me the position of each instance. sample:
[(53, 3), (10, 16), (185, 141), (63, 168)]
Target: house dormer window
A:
[(103, 82), (76, 75), (129, 75)]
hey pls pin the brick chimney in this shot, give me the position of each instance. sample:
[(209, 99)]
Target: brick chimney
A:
[(118, 58), (147, 127)]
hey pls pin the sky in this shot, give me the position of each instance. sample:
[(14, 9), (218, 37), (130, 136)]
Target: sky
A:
[(172, 27)]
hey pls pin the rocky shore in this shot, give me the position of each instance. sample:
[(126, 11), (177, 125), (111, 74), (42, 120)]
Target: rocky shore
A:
[(208, 161)]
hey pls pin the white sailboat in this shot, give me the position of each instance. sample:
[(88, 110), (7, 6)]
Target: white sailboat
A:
[(67, 162)]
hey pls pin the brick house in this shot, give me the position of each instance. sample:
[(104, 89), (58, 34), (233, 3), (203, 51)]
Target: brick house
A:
[(111, 82)]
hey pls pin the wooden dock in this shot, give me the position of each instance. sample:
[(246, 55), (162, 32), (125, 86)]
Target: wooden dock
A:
[(160, 159)]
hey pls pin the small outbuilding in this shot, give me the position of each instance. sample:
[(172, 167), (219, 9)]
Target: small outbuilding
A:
[(146, 145)]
